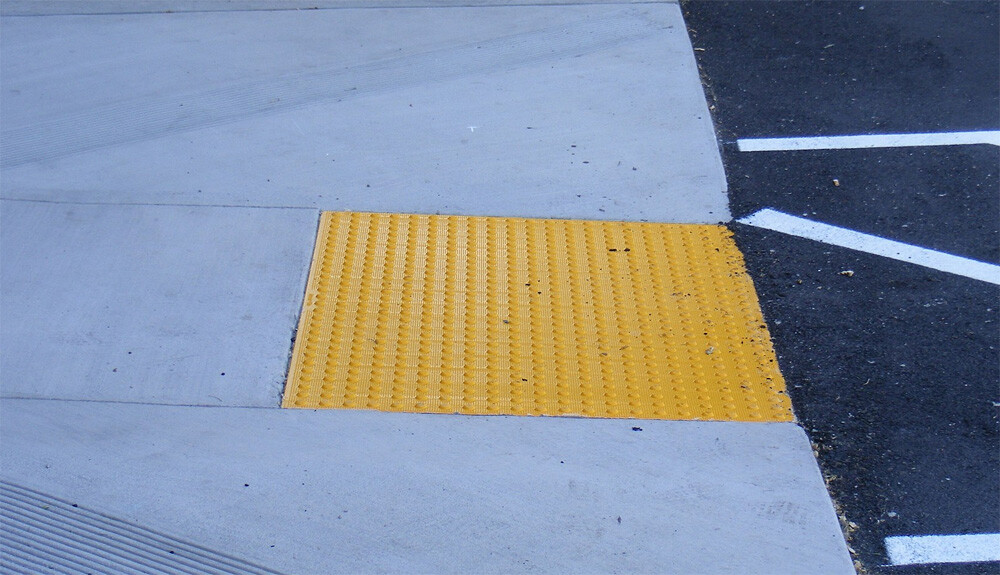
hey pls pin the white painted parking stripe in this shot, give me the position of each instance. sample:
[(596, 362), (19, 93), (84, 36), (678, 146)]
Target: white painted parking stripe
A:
[(869, 141), (916, 550), (795, 226)]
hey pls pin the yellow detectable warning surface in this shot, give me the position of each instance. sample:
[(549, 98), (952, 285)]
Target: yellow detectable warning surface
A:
[(472, 315)]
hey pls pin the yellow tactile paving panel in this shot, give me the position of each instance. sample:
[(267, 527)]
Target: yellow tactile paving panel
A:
[(447, 314)]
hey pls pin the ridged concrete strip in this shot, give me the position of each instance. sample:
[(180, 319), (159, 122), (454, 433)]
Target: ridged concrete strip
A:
[(44, 533)]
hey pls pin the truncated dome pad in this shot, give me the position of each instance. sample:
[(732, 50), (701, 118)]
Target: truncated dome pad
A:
[(473, 315)]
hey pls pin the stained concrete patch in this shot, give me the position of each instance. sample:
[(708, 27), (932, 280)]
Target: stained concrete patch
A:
[(350, 491), (178, 305), (591, 111)]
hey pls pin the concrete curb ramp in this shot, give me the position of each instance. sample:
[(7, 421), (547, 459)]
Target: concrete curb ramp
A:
[(163, 177)]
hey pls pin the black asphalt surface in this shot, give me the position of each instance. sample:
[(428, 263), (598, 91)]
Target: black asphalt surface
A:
[(894, 371)]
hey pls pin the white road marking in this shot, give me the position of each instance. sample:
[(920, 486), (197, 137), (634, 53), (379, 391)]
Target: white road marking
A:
[(917, 550), (869, 141), (795, 226)]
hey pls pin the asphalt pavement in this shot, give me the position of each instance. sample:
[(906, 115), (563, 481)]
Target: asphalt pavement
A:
[(893, 368)]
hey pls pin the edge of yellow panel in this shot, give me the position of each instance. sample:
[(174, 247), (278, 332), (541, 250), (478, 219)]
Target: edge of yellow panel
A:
[(292, 382), (786, 413)]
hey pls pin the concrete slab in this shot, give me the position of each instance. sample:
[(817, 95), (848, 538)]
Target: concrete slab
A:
[(57, 7), (350, 491), (592, 111), (63, 7), (157, 304)]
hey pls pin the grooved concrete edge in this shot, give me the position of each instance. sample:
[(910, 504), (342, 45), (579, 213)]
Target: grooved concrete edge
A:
[(44, 533)]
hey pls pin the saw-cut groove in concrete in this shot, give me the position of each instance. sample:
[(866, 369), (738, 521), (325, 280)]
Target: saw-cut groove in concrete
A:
[(43, 533)]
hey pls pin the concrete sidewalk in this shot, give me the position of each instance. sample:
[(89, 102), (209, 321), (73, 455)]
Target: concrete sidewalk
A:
[(162, 176), (543, 111)]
